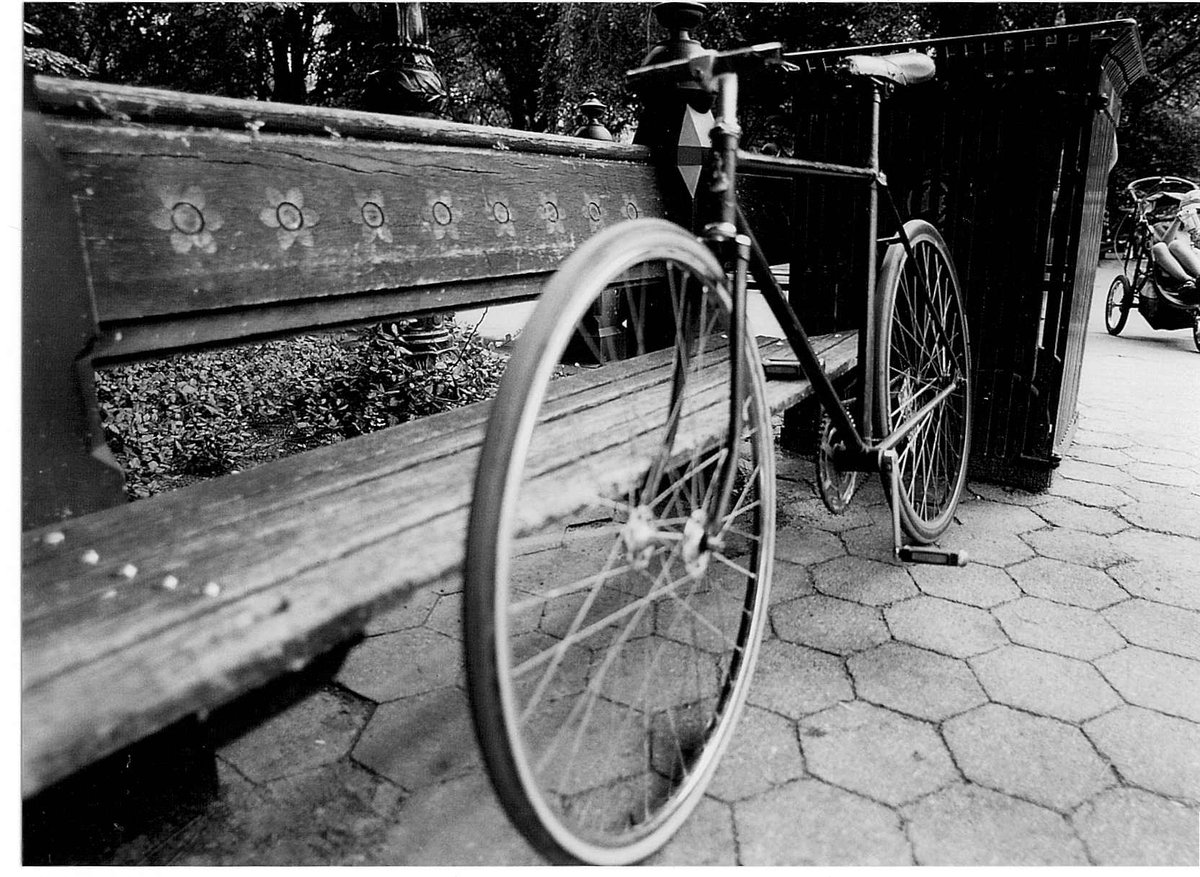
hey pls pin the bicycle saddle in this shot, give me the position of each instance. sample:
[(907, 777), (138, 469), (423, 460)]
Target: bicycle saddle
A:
[(903, 68)]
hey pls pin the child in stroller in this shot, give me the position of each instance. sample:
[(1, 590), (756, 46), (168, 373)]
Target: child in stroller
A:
[(1174, 223)]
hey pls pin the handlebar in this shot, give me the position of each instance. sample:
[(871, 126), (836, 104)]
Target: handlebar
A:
[(701, 70)]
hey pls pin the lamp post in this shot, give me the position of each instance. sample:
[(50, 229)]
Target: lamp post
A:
[(411, 86)]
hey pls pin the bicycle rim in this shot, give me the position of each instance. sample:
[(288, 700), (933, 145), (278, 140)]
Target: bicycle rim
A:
[(923, 344), (609, 649)]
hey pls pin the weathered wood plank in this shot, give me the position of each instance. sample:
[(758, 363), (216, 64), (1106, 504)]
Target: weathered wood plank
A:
[(123, 103), (180, 222), (303, 551)]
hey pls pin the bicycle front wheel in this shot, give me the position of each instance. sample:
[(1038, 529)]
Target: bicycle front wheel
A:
[(922, 350), (613, 611)]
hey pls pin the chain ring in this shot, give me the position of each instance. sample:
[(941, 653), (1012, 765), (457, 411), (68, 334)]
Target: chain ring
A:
[(837, 487)]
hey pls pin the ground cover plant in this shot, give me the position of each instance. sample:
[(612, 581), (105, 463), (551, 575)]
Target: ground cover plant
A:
[(193, 416)]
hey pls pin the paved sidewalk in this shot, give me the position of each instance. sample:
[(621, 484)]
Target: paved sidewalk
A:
[(1041, 706)]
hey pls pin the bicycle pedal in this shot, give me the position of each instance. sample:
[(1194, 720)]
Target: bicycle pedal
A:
[(937, 556)]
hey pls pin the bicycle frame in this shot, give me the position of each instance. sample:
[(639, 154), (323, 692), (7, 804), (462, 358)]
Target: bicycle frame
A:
[(861, 452)]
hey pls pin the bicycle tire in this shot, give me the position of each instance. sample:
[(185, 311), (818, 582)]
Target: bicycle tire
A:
[(911, 365), (1117, 304), (640, 740)]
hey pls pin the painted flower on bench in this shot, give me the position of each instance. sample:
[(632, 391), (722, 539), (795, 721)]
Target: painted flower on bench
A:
[(370, 214), (443, 216), (185, 214), (288, 214)]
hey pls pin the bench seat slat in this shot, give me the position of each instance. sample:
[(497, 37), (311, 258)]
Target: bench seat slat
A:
[(99, 672)]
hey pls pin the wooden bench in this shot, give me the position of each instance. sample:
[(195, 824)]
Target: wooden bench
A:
[(205, 221)]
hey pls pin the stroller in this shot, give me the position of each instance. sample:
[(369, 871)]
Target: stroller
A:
[(1161, 270)]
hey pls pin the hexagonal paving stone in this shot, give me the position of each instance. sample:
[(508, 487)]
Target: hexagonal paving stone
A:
[(706, 838), (1177, 553), (1166, 683), (300, 815), (1063, 512), (989, 533), (410, 613), (317, 730), (1161, 581), (1103, 456), (806, 545), (1102, 438), (796, 680), (765, 752), (658, 672), (810, 513), (973, 584), (1052, 627), (1178, 519), (395, 665), (1070, 583), (987, 517), (1157, 473), (876, 752), (915, 681), (941, 626), (970, 825), (576, 750), (1035, 758), (1134, 827), (1078, 470), (459, 822), (1157, 626), (872, 542), (446, 617), (829, 624), (808, 822), (422, 740), (1150, 750), (863, 581), (1075, 546), (1001, 493), (790, 581), (708, 620), (1043, 683), (1084, 492)]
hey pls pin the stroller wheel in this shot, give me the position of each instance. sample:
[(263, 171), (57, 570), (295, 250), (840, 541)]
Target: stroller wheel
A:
[(1116, 307)]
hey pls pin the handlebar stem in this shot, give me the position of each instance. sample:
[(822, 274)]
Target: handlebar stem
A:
[(726, 134)]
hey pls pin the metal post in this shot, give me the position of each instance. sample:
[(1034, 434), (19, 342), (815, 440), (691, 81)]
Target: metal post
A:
[(416, 89)]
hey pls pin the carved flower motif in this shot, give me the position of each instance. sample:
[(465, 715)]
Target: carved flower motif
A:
[(371, 215), (184, 215), (548, 211), (592, 211), (287, 213), (442, 216), (501, 213)]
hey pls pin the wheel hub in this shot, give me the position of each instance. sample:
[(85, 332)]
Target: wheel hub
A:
[(695, 549)]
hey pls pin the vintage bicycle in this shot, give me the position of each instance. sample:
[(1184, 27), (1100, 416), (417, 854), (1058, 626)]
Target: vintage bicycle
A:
[(606, 676)]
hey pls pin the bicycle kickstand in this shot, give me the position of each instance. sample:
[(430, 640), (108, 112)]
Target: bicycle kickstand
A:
[(913, 553)]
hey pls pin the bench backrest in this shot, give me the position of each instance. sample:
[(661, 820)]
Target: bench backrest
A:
[(208, 220)]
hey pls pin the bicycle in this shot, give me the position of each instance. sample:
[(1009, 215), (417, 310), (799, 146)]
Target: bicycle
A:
[(606, 678)]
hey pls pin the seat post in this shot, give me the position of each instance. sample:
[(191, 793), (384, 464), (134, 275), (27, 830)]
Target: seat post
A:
[(866, 342)]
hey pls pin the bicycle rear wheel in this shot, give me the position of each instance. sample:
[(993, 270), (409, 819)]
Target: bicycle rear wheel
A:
[(922, 348), (606, 674)]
